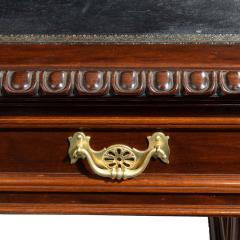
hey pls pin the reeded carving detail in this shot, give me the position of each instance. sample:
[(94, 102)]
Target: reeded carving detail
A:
[(138, 83)]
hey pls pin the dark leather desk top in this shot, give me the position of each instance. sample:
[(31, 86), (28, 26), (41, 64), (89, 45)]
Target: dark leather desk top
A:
[(177, 21)]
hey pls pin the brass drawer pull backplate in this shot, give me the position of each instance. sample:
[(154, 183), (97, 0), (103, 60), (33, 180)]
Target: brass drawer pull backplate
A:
[(118, 161)]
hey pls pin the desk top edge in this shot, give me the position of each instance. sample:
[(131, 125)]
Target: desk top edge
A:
[(211, 39)]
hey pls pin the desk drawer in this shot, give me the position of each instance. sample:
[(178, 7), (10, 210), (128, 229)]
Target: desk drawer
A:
[(204, 154)]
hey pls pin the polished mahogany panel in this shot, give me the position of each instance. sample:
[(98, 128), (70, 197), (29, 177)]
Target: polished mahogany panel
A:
[(192, 151), (118, 56), (120, 94), (203, 158), (123, 204)]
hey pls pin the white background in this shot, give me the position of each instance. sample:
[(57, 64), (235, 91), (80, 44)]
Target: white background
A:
[(39, 227)]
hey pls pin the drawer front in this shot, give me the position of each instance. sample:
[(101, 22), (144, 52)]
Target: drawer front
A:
[(34, 155)]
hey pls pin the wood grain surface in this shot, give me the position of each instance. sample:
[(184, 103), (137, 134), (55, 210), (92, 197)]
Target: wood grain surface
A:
[(203, 175), (120, 204), (21, 56), (204, 154)]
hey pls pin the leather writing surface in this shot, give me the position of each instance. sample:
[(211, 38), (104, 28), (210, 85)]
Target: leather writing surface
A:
[(119, 16)]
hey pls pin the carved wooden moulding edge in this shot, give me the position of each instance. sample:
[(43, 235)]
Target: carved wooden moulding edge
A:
[(119, 82)]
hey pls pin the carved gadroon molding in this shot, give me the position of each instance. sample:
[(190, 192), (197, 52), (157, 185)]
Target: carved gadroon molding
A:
[(99, 82)]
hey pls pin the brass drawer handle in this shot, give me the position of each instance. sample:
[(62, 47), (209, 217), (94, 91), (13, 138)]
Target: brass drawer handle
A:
[(118, 161)]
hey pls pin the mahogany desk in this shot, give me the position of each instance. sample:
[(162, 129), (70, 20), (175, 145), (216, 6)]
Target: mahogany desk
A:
[(150, 69)]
